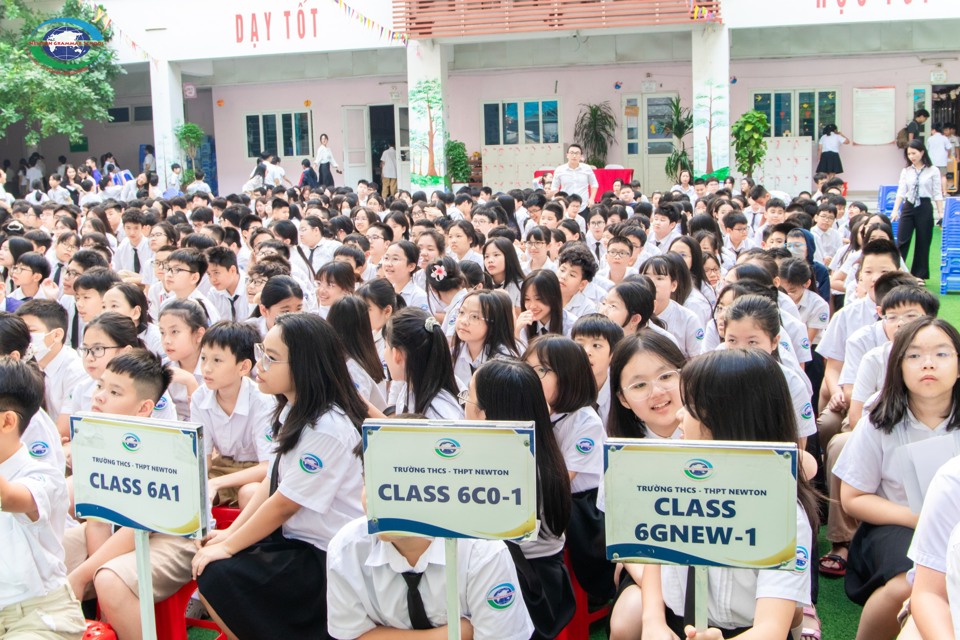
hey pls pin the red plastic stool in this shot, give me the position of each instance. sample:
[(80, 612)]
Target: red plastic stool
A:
[(579, 627), (171, 615), (99, 631), (225, 516)]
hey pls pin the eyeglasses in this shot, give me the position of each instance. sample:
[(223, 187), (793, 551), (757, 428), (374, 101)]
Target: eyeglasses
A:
[(710, 270), (618, 254), (73, 273), (464, 397), (471, 318), (96, 351), (372, 237), (740, 229), (263, 357), (796, 245), (919, 358), (160, 264), (542, 371), (891, 318), (157, 235), (177, 270), (597, 223), (21, 269), (535, 244), (642, 389), (256, 282)]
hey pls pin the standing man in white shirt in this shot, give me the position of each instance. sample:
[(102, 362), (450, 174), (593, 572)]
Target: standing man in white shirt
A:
[(388, 171), (574, 177), (940, 149), (149, 160)]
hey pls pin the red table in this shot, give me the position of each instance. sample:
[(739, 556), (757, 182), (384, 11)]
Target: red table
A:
[(605, 177)]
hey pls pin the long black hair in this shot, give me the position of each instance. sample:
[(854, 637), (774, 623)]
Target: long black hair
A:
[(428, 368), (512, 269), (497, 311), (350, 318), (320, 378), (510, 390), (547, 287)]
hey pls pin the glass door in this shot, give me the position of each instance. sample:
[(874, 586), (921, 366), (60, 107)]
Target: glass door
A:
[(657, 144)]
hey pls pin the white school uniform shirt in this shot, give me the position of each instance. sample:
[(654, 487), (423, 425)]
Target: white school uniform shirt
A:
[(178, 392), (238, 435), (153, 340), (787, 305), (369, 272), (471, 256), (322, 475), (69, 303), (451, 311), (212, 314), (844, 322), (827, 242), (512, 289), (938, 519), (800, 394), (42, 440), (746, 245), (814, 312), (580, 305), (953, 577), (733, 592), (541, 329), (221, 301), (443, 406), (81, 399), (871, 373), (414, 296), (698, 304), (33, 551), (157, 295), (61, 375), (858, 344), (548, 265), (463, 366), (366, 588), (663, 245), (666, 334), (869, 461), (581, 436), (371, 391), (832, 142), (597, 289), (794, 334), (686, 328), (123, 257), (604, 399)]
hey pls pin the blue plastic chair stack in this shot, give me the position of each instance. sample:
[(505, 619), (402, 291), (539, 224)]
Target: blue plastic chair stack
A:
[(950, 247), (886, 196)]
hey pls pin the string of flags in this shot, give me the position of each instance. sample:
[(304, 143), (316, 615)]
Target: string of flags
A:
[(102, 19), (372, 24)]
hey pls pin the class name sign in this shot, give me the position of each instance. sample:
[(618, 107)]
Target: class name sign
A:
[(141, 473), (722, 504), (451, 480)]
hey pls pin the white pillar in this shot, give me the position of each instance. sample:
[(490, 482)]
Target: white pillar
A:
[(166, 96), (426, 96), (711, 100)]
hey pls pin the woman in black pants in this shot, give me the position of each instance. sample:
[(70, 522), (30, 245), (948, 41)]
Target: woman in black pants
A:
[(919, 188)]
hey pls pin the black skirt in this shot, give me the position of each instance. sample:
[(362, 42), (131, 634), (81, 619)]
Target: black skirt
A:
[(830, 163), (547, 592), (326, 176), (276, 588), (586, 544), (878, 553)]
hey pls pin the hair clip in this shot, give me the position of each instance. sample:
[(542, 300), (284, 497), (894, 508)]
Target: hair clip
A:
[(430, 323), (439, 273)]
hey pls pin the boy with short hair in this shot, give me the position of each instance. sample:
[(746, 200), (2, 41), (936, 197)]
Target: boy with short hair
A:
[(773, 213), (737, 230), (185, 269), (758, 197), (575, 270), (89, 289), (664, 227), (27, 273), (596, 223), (237, 415), (354, 256), (825, 234), (36, 600), (134, 254), (228, 284), (599, 336), (380, 236), (619, 255)]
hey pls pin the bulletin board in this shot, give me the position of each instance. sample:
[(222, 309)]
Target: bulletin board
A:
[(788, 165), (874, 115)]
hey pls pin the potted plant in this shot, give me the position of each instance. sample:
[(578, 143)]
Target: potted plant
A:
[(679, 124), (594, 130), (749, 141), (458, 164), (189, 136)]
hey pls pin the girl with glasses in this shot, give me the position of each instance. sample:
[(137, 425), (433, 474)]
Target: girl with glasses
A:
[(483, 330)]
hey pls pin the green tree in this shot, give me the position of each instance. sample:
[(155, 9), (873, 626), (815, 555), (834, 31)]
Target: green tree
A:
[(679, 124), (749, 140), (595, 130), (49, 103), (426, 101)]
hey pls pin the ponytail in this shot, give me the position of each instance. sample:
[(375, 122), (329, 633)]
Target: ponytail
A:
[(429, 367)]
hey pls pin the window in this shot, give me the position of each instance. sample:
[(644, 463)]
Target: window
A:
[(798, 112), (143, 114), (288, 133), (538, 119), (119, 115)]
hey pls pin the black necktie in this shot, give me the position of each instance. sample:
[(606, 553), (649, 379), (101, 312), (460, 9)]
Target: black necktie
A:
[(56, 273), (597, 250), (136, 260), (312, 251), (233, 308), (75, 330), (418, 613)]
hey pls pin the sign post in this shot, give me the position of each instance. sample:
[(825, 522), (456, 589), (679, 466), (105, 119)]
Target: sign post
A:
[(145, 474), (451, 480), (701, 504)]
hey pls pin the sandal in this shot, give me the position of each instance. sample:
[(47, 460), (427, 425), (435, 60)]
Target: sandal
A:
[(810, 627), (836, 572)]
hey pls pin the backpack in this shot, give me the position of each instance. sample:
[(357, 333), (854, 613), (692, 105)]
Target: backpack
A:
[(903, 138)]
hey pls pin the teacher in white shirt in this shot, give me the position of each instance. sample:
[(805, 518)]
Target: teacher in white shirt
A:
[(918, 189), (324, 161)]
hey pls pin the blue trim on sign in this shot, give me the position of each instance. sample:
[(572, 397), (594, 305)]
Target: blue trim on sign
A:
[(103, 513), (367, 429), (389, 525), (657, 555)]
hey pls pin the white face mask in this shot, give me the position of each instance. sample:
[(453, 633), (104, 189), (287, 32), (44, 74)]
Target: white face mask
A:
[(38, 346)]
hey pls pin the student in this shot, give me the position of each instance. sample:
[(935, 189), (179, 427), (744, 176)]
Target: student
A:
[(800, 244), (796, 278), (462, 242), (825, 233), (185, 269), (918, 401), (538, 252), (182, 326), (598, 335), (484, 329), (541, 308), (501, 262), (334, 281), (227, 284), (350, 318), (576, 269), (510, 390), (617, 260), (61, 366), (399, 264), (687, 293), (664, 225), (382, 301), (774, 214), (418, 355), (282, 536), (744, 603), (369, 589), (630, 305), (736, 228), (89, 289), (682, 323), (689, 249), (38, 601), (280, 294), (129, 300), (30, 269), (446, 288), (134, 253)]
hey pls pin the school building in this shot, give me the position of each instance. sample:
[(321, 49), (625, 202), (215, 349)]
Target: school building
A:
[(509, 79)]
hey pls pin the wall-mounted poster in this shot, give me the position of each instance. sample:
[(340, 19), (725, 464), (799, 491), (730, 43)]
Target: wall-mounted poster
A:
[(874, 115)]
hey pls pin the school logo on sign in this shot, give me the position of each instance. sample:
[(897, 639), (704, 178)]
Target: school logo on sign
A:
[(501, 596), (311, 463), (66, 45), (131, 442), (447, 448), (38, 449), (585, 445), (698, 469), (803, 559)]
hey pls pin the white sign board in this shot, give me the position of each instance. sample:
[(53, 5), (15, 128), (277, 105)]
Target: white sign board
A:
[(451, 480), (874, 115), (141, 473), (739, 14), (724, 504)]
